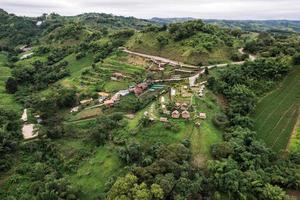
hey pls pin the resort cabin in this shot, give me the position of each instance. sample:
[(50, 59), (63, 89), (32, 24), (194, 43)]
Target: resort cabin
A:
[(177, 105), (140, 88), (123, 93), (184, 106), (116, 97), (75, 109), (163, 119), (202, 115), (109, 103), (103, 94), (86, 101), (185, 114), (175, 114)]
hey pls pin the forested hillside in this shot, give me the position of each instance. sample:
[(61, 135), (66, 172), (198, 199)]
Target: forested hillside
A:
[(193, 42), (97, 106), (283, 26)]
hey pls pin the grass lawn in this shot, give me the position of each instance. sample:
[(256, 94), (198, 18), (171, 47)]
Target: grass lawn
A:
[(207, 134), (76, 66), (294, 145), (158, 133), (113, 86), (276, 114), (86, 114), (95, 172), (6, 99)]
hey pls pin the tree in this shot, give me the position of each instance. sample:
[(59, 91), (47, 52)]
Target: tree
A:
[(11, 85), (296, 59), (270, 192), (206, 71), (128, 188)]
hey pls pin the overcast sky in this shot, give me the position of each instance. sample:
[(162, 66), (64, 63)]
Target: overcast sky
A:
[(208, 9)]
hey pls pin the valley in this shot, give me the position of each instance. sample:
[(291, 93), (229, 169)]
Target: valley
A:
[(127, 108)]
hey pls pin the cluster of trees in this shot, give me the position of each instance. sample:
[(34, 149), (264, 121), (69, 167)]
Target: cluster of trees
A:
[(67, 31), (47, 106), (10, 134), (185, 30), (16, 30), (40, 174), (104, 128), (38, 75), (106, 47), (273, 45), (159, 172)]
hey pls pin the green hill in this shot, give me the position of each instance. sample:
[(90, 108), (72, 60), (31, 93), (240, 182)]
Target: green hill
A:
[(192, 42)]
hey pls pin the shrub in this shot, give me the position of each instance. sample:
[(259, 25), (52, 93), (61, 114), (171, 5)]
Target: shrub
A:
[(220, 121), (172, 127)]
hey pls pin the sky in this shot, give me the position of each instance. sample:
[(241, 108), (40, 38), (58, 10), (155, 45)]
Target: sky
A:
[(205, 9)]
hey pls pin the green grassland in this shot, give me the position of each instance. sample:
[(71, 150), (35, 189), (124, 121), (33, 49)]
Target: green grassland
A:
[(6, 99), (182, 51), (202, 138), (294, 145), (95, 172), (277, 113)]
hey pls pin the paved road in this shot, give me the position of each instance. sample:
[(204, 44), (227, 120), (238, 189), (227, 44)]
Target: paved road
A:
[(193, 78), (161, 59), (173, 62)]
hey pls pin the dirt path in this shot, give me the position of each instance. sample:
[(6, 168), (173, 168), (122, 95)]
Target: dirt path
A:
[(251, 56)]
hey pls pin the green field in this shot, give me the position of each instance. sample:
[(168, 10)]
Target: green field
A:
[(294, 145), (6, 100), (96, 171), (276, 113)]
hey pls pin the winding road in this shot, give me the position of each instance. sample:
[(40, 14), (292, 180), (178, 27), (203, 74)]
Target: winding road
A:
[(193, 78), (177, 63)]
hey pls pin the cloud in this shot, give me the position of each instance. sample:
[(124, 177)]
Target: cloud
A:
[(218, 9)]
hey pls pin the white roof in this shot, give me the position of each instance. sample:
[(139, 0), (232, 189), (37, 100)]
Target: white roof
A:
[(26, 56), (24, 117), (123, 92), (173, 92), (28, 131), (39, 23)]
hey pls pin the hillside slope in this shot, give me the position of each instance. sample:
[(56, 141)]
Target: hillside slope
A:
[(276, 114), (191, 42)]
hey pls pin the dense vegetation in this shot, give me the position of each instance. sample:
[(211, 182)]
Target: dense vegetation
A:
[(193, 42), (282, 26), (120, 153)]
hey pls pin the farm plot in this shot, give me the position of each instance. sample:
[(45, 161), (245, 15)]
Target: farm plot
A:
[(276, 114)]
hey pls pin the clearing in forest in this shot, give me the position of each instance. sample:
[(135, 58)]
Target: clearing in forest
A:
[(276, 114), (6, 99)]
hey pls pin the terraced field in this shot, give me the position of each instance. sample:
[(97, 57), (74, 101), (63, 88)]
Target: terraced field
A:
[(276, 114)]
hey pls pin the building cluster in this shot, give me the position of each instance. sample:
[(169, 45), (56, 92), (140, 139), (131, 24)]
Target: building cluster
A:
[(181, 110), (139, 88)]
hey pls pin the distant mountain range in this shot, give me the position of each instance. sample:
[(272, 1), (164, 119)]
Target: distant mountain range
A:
[(248, 25)]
